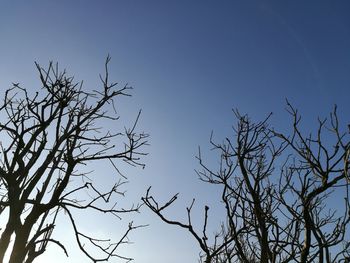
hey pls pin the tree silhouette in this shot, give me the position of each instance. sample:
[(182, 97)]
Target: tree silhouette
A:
[(46, 141), (285, 197)]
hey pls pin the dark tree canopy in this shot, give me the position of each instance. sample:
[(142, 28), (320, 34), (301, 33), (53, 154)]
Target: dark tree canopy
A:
[(279, 192), (47, 141)]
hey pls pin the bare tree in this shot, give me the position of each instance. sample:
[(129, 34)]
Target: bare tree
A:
[(46, 141), (278, 193)]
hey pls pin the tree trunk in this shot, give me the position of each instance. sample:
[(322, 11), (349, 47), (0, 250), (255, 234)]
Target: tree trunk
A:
[(5, 240), (19, 250)]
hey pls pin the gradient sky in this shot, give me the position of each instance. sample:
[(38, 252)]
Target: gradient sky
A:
[(190, 63)]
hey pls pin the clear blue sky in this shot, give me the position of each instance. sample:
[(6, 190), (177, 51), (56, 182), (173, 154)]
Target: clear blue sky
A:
[(190, 63)]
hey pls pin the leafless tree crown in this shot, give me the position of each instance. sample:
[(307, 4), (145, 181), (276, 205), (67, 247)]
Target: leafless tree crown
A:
[(278, 193), (47, 140)]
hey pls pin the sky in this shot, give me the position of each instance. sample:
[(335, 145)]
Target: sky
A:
[(190, 63)]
